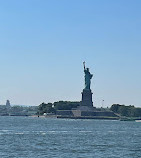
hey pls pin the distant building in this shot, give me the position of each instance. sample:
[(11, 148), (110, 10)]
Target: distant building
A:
[(8, 106)]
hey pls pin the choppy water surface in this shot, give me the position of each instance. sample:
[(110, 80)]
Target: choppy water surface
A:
[(25, 137)]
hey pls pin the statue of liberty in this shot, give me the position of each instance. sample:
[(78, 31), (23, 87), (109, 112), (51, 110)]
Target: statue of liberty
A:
[(88, 77)]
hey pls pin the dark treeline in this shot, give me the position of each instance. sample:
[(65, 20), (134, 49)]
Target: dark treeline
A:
[(128, 111), (45, 108), (61, 105), (65, 105), (122, 110)]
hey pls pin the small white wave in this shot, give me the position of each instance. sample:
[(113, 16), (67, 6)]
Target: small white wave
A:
[(85, 131), (19, 133), (5, 130)]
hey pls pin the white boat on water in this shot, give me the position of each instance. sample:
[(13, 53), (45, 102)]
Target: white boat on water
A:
[(138, 120)]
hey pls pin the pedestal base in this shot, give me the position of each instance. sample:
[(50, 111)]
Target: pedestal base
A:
[(86, 98)]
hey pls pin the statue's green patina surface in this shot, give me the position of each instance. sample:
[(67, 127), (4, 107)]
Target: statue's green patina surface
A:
[(88, 77)]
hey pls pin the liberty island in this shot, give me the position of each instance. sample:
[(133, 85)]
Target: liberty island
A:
[(85, 109)]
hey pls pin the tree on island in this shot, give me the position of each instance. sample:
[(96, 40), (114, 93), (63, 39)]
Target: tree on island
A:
[(61, 105), (65, 105), (128, 111), (45, 108)]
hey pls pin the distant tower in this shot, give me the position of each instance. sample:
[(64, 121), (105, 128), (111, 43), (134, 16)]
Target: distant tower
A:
[(8, 106)]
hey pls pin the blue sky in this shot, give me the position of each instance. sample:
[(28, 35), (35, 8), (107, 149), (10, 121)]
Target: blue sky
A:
[(44, 42)]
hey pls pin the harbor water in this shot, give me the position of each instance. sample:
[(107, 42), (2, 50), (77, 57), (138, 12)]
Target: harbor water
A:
[(28, 137)]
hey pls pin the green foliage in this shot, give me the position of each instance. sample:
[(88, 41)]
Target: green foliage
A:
[(128, 111), (65, 105), (45, 108), (115, 107), (61, 105)]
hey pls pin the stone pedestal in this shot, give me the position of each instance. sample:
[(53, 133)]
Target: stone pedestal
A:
[(86, 98)]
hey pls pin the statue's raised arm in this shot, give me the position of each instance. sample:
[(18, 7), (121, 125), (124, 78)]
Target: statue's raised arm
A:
[(84, 65)]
